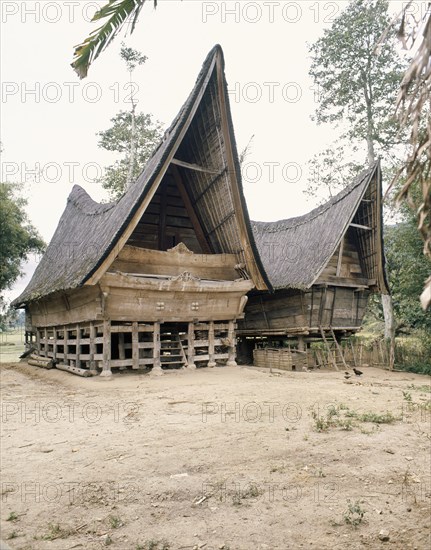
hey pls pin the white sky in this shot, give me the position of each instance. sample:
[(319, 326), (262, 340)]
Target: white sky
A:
[(49, 117)]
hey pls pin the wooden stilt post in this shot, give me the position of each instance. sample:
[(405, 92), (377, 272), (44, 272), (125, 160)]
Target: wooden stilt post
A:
[(157, 366), (135, 346), (54, 345), (232, 345), (38, 341), (211, 347), (45, 337), (106, 349), (93, 368), (121, 350), (191, 346), (65, 347), (78, 347)]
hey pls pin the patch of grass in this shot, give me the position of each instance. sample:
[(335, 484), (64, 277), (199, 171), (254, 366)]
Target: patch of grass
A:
[(13, 516), (407, 396), (115, 522), (108, 541), (340, 416), (346, 425), (252, 491), (12, 535), (321, 424), (424, 388), (55, 531), (418, 367), (386, 418), (424, 405), (354, 514)]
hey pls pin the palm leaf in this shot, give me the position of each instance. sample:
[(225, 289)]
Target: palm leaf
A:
[(118, 13)]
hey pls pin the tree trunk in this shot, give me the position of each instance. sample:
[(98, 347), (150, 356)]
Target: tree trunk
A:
[(388, 308), (388, 312), (132, 146)]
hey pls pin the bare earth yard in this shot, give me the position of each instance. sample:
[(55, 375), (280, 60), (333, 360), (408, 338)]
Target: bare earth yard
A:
[(223, 458)]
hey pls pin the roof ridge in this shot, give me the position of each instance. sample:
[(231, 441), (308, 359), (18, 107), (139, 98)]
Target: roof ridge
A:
[(82, 201), (318, 210)]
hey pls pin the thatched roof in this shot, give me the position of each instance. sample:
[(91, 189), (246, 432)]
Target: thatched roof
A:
[(89, 233), (295, 251)]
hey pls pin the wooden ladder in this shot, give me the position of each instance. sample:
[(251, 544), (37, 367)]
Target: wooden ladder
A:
[(172, 354), (331, 357), (340, 351)]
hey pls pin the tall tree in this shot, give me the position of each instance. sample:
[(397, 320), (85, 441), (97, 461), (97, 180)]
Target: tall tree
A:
[(18, 237), (115, 14), (133, 135), (358, 77), (146, 136), (133, 58), (330, 171)]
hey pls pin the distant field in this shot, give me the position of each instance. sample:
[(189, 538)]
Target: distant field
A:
[(11, 346)]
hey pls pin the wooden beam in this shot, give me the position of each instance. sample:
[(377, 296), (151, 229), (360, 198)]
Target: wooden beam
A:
[(135, 346), (206, 249), (157, 366), (211, 347), (191, 346), (359, 226), (54, 345), (192, 166), (106, 349), (231, 361), (93, 348), (340, 258), (121, 350), (251, 262), (65, 346)]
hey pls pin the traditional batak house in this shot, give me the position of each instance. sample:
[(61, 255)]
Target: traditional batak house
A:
[(322, 267), (158, 278), (161, 277)]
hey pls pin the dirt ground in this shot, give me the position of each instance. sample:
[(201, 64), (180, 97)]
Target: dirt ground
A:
[(223, 458)]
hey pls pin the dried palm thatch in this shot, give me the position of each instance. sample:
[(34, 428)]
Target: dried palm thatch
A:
[(414, 109), (295, 251)]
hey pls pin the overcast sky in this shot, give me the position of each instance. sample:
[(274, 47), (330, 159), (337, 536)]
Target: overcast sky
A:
[(49, 118)]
